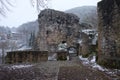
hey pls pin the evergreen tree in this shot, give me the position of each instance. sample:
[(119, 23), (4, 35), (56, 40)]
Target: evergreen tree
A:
[(32, 39)]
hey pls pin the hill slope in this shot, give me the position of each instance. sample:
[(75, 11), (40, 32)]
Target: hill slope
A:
[(87, 14)]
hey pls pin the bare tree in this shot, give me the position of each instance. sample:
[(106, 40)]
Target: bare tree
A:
[(12, 45), (5, 5), (3, 47), (40, 4)]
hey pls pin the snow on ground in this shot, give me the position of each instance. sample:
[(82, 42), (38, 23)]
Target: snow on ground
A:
[(85, 60), (0, 52), (24, 48), (52, 58), (20, 66), (68, 58), (92, 63), (16, 66)]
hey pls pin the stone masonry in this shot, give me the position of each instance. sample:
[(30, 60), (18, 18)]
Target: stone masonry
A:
[(26, 56), (109, 33), (55, 27), (85, 45)]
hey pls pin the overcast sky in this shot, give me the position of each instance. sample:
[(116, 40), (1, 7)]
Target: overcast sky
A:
[(23, 12)]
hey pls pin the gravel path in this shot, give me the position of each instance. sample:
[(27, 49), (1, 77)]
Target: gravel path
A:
[(80, 73), (68, 70), (50, 69)]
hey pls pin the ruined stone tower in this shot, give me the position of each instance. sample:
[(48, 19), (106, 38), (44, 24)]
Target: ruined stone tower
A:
[(109, 33), (55, 27)]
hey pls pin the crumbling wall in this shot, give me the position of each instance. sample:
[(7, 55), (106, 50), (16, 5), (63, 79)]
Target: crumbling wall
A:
[(26, 56), (109, 33), (55, 27), (85, 45)]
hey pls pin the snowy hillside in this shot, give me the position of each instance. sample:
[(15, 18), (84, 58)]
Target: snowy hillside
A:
[(87, 14), (29, 27)]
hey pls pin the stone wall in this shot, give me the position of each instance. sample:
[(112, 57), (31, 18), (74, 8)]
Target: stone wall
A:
[(109, 33), (55, 27), (26, 56), (85, 45)]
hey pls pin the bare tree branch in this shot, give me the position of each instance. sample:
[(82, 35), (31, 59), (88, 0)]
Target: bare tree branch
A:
[(40, 4), (5, 5), (8, 2)]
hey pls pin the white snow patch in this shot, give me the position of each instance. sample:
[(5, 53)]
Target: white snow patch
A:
[(68, 58), (52, 58), (24, 48), (92, 63), (89, 31), (85, 60), (80, 41), (20, 66), (71, 52), (93, 59), (96, 66), (0, 52)]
